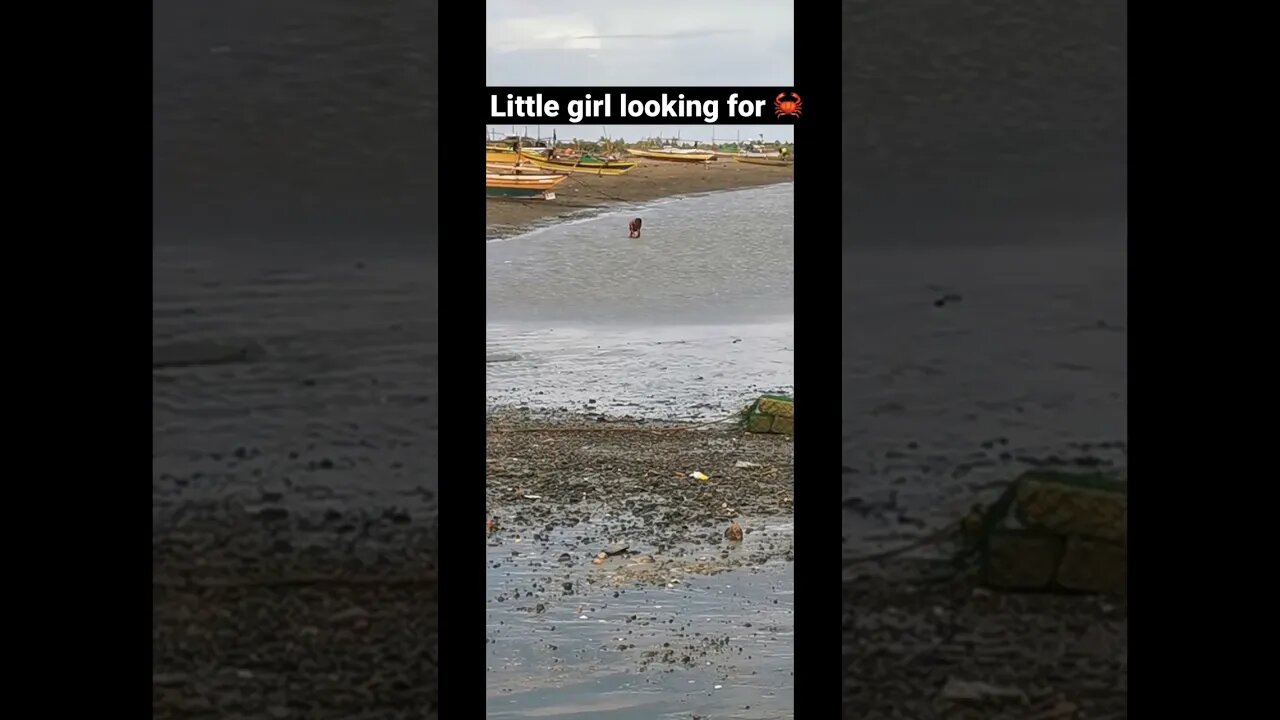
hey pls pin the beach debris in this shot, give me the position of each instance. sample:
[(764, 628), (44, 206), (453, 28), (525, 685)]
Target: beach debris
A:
[(616, 549), (742, 464), (696, 475), (734, 532), (532, 497), (956, 690), (948, 298)]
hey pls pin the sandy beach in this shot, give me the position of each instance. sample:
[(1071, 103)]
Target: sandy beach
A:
[(653, 179)]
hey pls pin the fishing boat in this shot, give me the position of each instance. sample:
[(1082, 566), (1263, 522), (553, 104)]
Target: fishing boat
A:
[(500, 155), (506, 154), (513, 169), (525, 187), (589, 164), (753, 151), (675, 155), (771, 161)]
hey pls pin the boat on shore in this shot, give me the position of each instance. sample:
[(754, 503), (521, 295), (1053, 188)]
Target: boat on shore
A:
[(770, 161), (675, 155), (514, 184), (504, 154), (588, 164), (513, 169)]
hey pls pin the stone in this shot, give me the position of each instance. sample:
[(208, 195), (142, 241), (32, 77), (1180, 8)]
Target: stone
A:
[(783, 425), (1022, 560), (776, 405), (1095, 566), (1073, 504)]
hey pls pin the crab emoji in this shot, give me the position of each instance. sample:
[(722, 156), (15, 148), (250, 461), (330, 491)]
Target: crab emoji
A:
[(787, 107)]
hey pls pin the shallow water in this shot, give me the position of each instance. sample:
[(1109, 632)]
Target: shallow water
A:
[(690, 320), (1027, 368), (718, 646), (335, 398)]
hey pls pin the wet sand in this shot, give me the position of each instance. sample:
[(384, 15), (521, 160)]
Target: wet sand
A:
[(676, 617), (293, 490), (653, 179), (922, 640), (966, 363), (552, 470)]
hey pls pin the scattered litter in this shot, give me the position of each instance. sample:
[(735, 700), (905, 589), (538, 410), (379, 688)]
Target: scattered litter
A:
[(699, 476), (717, 687), (532, 497), (745, 464)]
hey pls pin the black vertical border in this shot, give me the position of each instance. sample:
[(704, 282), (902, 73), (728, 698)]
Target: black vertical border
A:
[(462, 380), (817, 282), (462, 432)]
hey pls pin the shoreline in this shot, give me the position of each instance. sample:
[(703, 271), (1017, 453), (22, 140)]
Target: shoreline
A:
[(582, 194), (630, 480)]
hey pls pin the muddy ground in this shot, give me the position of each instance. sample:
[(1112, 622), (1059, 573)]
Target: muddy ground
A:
[(631, 479), (653, 179), (924, 640), (268, 610), (610, 570)]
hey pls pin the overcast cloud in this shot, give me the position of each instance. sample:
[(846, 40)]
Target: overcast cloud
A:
[(642, 42)]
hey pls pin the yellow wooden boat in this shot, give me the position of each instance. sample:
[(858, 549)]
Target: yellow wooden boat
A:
[(587, 164), (774, 162), (514, 169), (525, 187), (674, 156), (500, 155)]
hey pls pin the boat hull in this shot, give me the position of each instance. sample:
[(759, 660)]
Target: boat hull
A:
[(674, 157), (520, 193), (527, 187), (771, 162), (501, 156), (596, 167)]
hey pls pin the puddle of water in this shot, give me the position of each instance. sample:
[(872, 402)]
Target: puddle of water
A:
[(566, 641)]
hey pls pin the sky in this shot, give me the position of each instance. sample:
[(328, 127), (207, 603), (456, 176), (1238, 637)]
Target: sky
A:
[(642, 42)]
